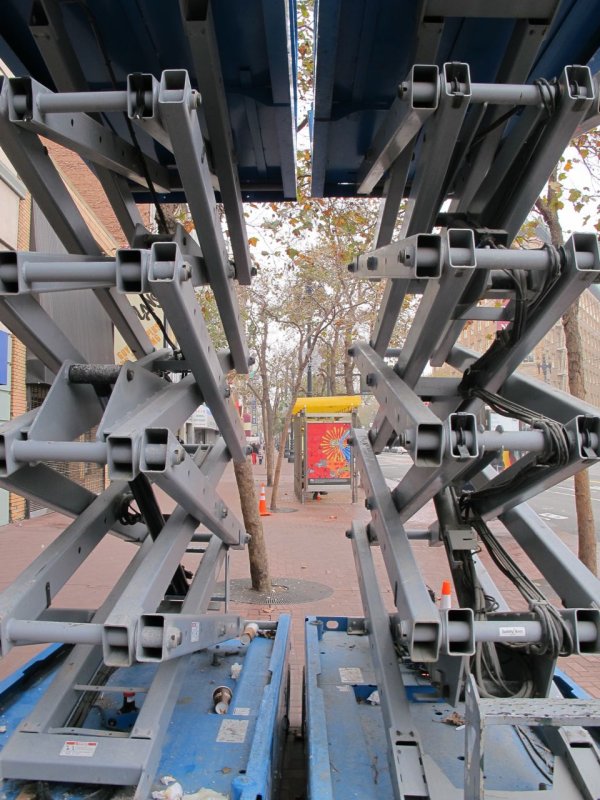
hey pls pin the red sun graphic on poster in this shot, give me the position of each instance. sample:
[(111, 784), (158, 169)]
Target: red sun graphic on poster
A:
[(327, 452)]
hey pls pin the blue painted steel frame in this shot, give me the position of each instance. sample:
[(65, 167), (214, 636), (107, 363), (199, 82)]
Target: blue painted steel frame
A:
[(259, 43), (364, 49)]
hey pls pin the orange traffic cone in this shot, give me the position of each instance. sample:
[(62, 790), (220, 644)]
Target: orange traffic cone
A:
[(262, 503), (446, 598)]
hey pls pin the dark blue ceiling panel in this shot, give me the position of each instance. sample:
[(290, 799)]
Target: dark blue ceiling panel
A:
[(366, 48), (257, 48)]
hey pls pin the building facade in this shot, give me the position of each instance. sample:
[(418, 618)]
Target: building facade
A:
[(548, 361)]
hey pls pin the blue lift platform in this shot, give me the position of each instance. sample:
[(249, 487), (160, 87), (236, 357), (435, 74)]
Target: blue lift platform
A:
[(237, 754)]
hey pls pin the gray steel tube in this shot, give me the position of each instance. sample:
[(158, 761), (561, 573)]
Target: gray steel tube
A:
[(66, 102), (34, 631), (533, 441), (500, 94), (498, 631), (497, 258), (32, 450), (99, 271)]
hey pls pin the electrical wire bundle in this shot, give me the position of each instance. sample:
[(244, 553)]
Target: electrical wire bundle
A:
[(557, 639), (557, 451), (491, 661), (556, 454)]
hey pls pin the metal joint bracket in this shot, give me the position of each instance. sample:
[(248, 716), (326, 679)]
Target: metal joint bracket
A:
[(588, 437), (461, 250), (462, 620), (457, 81), (142, 96), (11, 432), (426, 444), (132, 271), (584, 624), (582, 250), (464, 437), (162, 637), (165, 460), (418, 257)]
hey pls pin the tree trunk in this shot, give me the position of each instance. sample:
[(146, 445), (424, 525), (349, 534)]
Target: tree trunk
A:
[(348, 363), (587, 545), (270, 445), (257, 550), (282, 441)]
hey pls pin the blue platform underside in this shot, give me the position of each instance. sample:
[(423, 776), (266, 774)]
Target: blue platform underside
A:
[(257, 50), (366, 48)]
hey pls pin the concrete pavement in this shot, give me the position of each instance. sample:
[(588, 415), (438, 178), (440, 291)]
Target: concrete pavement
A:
[(306, 543)]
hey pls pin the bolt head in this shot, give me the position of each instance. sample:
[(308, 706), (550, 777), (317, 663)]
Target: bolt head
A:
[(178, 455), (174, 638), (186, 272)]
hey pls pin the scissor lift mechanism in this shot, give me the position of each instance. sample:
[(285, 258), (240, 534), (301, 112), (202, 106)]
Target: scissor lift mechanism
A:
[(470, 173)]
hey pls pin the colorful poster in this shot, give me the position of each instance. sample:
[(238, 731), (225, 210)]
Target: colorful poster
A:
[(327, 452)]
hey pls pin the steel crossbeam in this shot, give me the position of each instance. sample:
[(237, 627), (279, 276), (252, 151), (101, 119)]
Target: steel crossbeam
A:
[(402, 408), (165, 461), (41, 177), (36, 329), (199, 27), (405, 755), (153, 570), (411, 597), (170, 283), (427, 189), (177, 105), (39, 583), (78, 131), (572, 582), (52, 40)]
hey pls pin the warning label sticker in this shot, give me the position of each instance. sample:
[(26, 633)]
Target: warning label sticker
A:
[(233, 731), (79, 749), (351, 675), (241, 712), (512, 631)]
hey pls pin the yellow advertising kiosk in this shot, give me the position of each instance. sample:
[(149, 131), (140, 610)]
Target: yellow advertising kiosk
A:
[(323, 460)]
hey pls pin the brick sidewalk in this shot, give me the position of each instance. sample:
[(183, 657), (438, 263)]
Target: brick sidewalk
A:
[(307, 543)]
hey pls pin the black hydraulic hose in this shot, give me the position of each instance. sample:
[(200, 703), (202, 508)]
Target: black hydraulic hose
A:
[(141, 489)]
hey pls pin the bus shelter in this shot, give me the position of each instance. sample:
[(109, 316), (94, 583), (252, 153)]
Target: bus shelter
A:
[(323, 458)]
